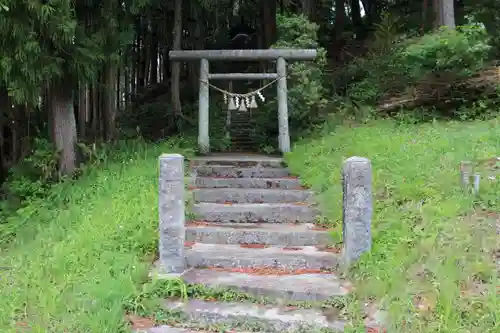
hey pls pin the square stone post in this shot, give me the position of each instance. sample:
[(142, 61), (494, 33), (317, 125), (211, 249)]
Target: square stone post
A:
[(203, 109), (284, 133), (466, 170), (171, 213), (357, 207)]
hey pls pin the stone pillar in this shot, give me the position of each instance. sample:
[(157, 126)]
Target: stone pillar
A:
[(171, 213), (466, 170), (284, 133), (357, 207), (203, 109)]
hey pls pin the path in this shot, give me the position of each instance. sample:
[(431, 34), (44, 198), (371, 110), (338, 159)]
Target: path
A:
[(255, 233)]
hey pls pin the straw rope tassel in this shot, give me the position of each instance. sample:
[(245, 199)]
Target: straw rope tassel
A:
[(247, 101), (262, 98)]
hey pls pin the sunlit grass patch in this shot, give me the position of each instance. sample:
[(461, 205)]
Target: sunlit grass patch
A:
[(431, 264), (79, 255)]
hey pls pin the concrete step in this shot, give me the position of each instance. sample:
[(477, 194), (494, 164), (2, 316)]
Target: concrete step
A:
[(242, 160), (227, 171), (263, 183), (253, 233), (166, 329), (248, 195), (255, 213), (199, 255), (265, 318), (170, 329), (299, 287)]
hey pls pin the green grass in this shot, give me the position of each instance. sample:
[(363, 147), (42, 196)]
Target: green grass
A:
[(80, 254), (431, 264), (78, 258)]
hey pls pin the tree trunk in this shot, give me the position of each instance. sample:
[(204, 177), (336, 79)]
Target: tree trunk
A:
[(357, 22), (308, 8), (444, 13), (176, 69), (63, 131), (339, 19), (153, 54), (83, 109), (338, 40), (147, 49), (267, 29), (109, 102), (126, 85), (141, 54), (448, 13), (4, 106), (96, 120), (425, 5), (196, 42), (269, 22)]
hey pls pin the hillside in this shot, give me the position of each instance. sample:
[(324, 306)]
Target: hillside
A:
[(81, 255)]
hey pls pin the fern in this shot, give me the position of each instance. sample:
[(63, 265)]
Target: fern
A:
[(386, 32)]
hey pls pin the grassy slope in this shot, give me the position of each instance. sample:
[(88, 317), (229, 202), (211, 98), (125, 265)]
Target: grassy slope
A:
[(427, 260), (80, 253)]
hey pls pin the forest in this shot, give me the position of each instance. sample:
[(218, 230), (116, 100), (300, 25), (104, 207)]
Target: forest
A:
[(80, 73)]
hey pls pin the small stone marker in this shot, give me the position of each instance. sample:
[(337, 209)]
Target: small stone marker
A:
[(171, 213), (357, 207), (465, 173)]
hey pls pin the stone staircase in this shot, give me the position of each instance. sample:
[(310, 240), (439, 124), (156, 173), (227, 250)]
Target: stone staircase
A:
[(255, 232), (242, 131)]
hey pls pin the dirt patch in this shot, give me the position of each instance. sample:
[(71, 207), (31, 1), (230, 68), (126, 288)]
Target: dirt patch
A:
[(139, 323), (253, 246), (197, 224), (330, 248), (292, 249), (270, 271), (319, 228), (189, 245)]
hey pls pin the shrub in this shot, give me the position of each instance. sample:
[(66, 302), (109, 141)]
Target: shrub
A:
[(441, 57), (457, 52), (306, 93), (306, 89)]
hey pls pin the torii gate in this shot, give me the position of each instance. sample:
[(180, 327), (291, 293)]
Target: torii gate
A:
[(280, 55)]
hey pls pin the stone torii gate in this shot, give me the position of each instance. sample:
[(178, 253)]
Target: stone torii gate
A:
[(279, 55)]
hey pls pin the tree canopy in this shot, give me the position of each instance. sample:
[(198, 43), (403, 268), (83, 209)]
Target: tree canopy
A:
[(85, 71)]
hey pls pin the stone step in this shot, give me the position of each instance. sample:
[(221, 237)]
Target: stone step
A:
[(253, 233), (255, 212), (263, 183), (199, 255), (235, 172), (249, 195), (254, 317), (242, 131), (170, 329), (242, 160), (299, 287), (165, 329)]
